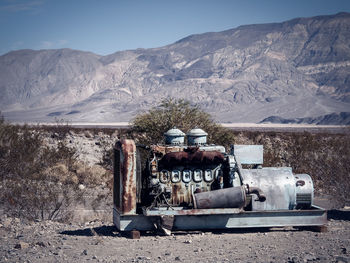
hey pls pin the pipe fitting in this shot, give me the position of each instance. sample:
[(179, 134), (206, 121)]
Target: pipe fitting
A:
[(257, 191)]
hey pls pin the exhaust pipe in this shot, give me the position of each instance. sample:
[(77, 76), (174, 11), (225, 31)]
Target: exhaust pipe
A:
[(232, 197)]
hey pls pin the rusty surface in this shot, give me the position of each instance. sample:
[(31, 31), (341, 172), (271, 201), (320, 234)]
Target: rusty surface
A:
[(215, 211), (183, 212), (167, 222), (176, 194), (127, 173), (134, 234), (116, 178), (174, 158), (192, 157), (163, 149)]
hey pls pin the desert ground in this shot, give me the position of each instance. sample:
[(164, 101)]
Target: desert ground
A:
[(99, 241)]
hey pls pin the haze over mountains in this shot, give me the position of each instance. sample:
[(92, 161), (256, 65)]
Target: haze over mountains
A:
[(298, 71)]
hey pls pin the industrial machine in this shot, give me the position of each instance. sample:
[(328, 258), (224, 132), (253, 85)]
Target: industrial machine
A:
[(201, 186)]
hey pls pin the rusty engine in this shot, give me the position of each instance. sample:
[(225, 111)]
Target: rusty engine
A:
[(193, 182)]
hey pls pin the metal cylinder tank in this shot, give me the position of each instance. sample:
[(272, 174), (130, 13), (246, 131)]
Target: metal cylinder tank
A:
[(232, 197), (197, 137), (283, 189), (174, 136)]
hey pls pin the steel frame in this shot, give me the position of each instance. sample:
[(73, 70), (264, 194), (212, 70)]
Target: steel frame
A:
[(225, 218)]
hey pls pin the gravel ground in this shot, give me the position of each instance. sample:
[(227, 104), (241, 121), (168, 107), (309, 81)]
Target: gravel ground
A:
[(101, 242)]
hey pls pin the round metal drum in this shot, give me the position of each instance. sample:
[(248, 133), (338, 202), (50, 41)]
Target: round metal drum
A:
[(304, 190)]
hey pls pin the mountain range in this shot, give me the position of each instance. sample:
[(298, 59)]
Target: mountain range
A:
[(294, 70)]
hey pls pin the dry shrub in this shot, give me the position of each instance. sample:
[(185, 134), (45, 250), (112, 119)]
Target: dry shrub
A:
[(90, 176), (325, 157), (148, 128), (36, 180)]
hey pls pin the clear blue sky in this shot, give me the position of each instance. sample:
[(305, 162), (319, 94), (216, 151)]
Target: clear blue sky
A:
[(107, 26)]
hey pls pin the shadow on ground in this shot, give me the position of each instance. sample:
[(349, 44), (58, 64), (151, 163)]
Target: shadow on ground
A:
[(110, 231), (337, 214)]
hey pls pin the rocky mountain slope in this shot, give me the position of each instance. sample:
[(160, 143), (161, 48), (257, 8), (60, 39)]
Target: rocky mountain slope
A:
[(295, 69), (333, 118)]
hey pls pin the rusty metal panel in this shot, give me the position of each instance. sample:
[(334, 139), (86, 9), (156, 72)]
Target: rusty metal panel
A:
[(116, 178), (163, 149), (126, 203), (192, 156)]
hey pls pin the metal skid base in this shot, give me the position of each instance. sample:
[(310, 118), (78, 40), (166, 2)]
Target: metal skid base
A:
[(225, 218)]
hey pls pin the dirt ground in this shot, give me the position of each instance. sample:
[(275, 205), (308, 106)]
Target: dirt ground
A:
[(99, 241)]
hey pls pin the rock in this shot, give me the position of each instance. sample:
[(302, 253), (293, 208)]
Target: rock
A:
[(7, 222), (342, 260), (292, 260), (88, 134), (188, 241), (40, 244), (55, 135), (309, 258), (177, 258), (143, 258), (21, 245), (85, 252), (81, 187)]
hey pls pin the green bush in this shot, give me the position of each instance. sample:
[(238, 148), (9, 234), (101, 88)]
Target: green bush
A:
[(149, 128)]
